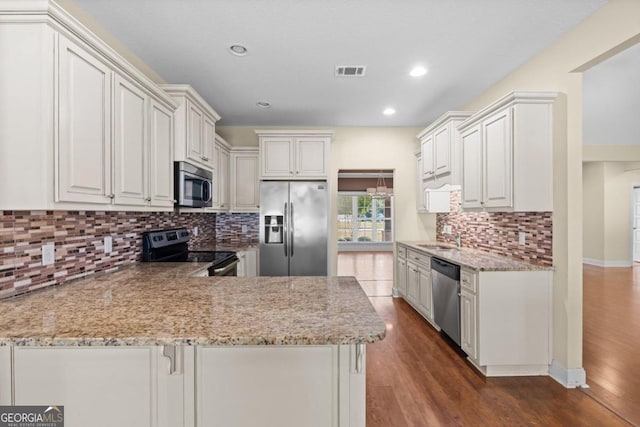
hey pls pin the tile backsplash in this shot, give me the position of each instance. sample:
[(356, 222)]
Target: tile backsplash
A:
[(78, 237), (229, 229), (498, 232)]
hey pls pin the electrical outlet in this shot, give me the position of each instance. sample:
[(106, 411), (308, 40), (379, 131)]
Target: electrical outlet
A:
[(446, 229), (48, 254), (195, 231), (522, 238), (245, 228), (108, 244)]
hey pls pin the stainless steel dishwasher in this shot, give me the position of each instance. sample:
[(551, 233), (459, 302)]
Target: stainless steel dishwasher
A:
[(446, 297)]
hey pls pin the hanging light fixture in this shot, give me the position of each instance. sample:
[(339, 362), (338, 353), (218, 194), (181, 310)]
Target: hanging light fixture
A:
[(380, 190)]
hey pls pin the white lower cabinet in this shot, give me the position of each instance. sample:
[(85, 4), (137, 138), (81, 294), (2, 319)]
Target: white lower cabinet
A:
[(413, 280), (280, 386), (248, 265), (401, 275), (505, 319), (100, 386), (174, 386)]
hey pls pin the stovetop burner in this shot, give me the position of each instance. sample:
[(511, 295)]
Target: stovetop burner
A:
[(171, 246)]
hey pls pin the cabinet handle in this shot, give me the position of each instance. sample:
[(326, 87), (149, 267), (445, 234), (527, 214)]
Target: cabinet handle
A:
[(111, 196), (290, 172), (359, 356), (175, 201), (148, 199)]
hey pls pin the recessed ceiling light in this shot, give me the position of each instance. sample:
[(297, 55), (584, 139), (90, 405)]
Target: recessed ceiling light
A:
[(263, 104), (389, 111), (238, 50), (418, 71)]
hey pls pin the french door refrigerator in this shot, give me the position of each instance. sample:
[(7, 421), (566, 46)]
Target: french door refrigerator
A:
[(293, 228)]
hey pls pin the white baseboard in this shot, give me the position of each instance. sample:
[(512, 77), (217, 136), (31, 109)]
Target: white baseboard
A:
[(570, 378), (602, 263)]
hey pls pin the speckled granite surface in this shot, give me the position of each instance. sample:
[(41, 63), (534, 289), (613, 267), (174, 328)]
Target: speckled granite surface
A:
[(158, 303), (472, 258)]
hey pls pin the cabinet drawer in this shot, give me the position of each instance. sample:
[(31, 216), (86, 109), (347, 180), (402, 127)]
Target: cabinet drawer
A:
[(420, 258), (469, 281), (402, 252)]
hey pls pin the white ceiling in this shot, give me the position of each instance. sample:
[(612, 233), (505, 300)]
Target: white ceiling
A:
[(294, 45), (611, 98)]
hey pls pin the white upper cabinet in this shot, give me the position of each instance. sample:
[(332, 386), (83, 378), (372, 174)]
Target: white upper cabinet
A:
[(441, 150), (508, 154), (160, 155), (195, 129), (220, 196), (245, 182), (294, 154), (84, 111), (130, 143), (87, 123)]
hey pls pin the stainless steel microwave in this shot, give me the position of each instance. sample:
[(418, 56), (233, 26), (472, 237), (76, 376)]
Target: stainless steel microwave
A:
[(192, 185)]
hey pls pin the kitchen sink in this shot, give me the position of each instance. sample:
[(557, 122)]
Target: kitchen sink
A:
[(439, 247)]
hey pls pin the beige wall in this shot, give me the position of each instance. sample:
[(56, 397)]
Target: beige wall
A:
[(607, 211), (367, 148), (593, 210), (555, 69)]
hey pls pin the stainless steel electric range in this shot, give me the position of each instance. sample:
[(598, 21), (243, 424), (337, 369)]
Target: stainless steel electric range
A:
[(172, 246)]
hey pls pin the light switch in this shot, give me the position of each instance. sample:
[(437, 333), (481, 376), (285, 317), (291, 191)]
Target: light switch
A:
[(522, 238), (48, 254), (108, 244), (195, 231)]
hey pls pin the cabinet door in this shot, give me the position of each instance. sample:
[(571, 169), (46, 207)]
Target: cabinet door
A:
[(195, 123), (277, 157), (401, 276), (84, 112), (425, 292), (311, 157), (160, 156), (245, 192), (209, 141), (223, 179), (442, 150), (420, 200), (275, 386), (130, 142), (413, 283), (472, 168), (468, 324), (87, 381), (498, 160), (428, 166)]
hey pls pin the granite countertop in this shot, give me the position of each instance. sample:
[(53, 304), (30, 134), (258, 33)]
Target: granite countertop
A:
[(160, 304), (472, 258)]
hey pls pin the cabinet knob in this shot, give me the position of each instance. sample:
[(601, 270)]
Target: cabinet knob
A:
[(111, 196), (175, 201), (148, 199)]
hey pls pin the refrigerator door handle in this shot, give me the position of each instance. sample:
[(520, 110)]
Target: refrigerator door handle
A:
[(285, 224), (292, 230)]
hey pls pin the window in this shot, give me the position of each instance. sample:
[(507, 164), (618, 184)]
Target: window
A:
[(364, 220)]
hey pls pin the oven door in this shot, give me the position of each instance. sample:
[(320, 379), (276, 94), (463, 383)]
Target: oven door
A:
[(228, 269)]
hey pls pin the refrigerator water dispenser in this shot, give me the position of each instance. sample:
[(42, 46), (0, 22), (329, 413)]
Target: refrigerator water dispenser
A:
[(273, 228)]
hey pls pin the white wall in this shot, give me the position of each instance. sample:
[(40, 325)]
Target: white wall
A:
[(367, 148)]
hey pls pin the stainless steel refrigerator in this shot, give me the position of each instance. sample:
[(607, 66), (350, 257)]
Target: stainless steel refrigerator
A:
[(293, 228)]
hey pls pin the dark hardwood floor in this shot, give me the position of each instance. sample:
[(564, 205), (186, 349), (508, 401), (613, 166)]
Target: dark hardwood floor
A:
[(611, 339), (416, 378)]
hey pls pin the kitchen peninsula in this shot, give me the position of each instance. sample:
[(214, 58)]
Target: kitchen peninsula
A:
[(153, 345)]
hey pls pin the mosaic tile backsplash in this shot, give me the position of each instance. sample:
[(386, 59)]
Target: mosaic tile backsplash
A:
[(78, 237), (229, 229), (497, 232)]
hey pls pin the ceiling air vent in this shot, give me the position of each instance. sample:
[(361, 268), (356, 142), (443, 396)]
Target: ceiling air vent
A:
[(350, 70)]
